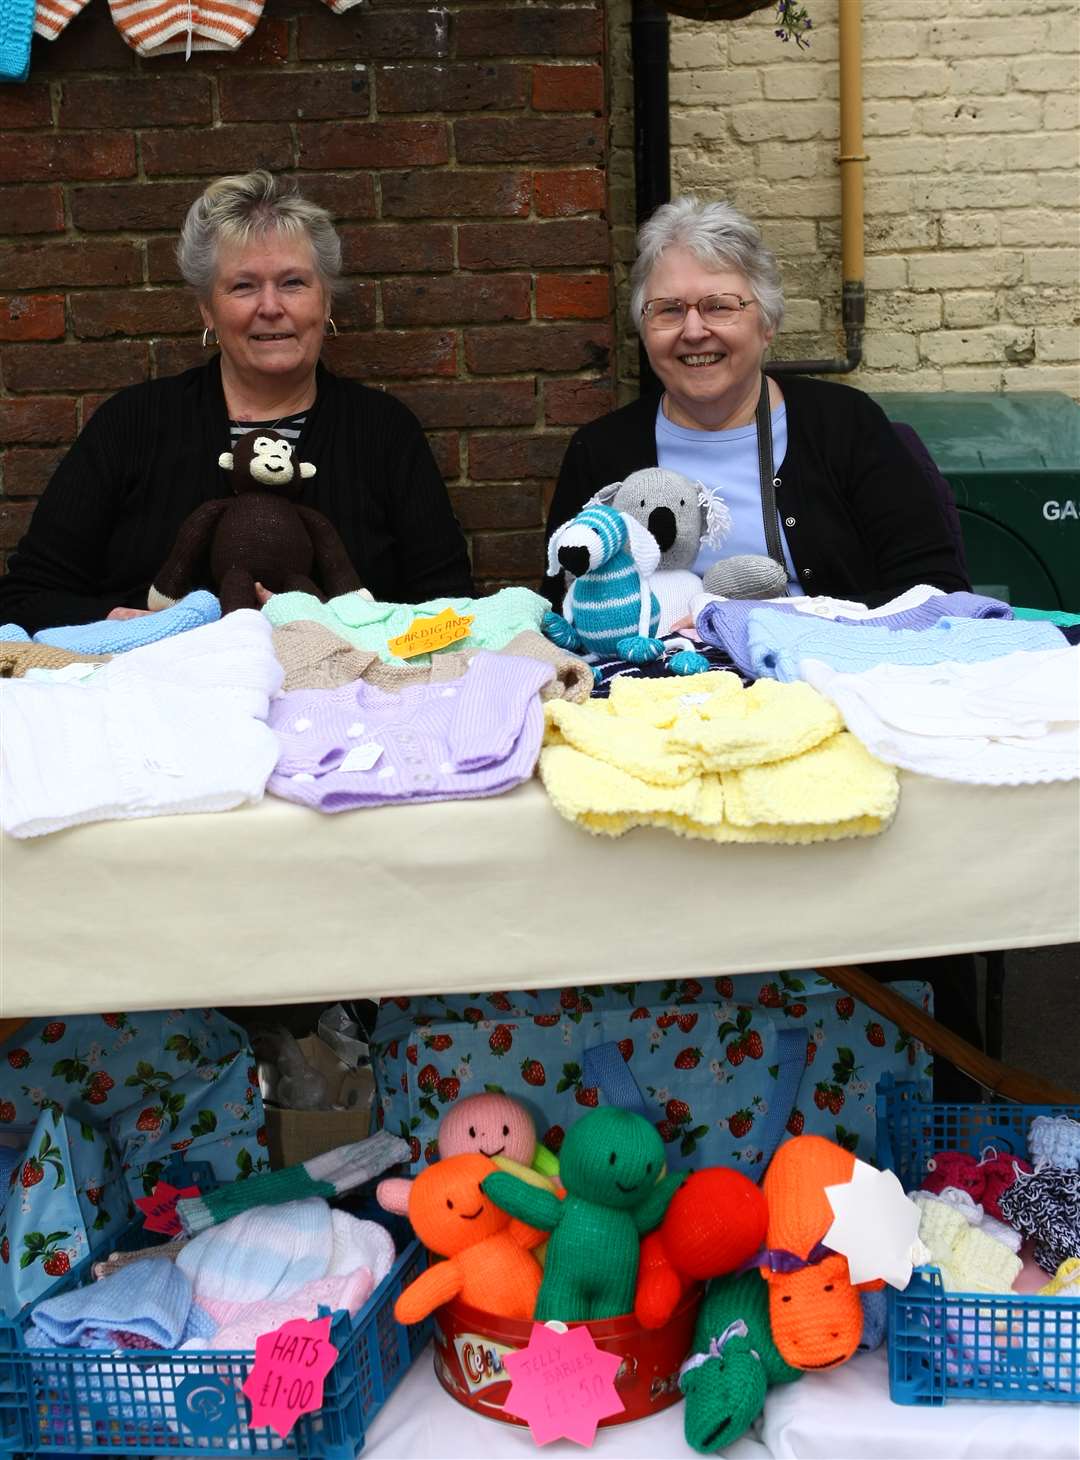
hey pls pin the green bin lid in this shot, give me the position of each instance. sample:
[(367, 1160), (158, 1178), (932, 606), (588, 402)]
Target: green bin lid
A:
[(1029, 431)]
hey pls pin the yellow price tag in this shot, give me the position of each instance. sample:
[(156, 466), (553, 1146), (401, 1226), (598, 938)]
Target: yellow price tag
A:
[(425, 635)]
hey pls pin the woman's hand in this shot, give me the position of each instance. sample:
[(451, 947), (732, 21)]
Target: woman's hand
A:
[(128, 612)]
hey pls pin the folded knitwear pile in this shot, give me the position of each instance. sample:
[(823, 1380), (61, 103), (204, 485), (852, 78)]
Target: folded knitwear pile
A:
[(794, 734)]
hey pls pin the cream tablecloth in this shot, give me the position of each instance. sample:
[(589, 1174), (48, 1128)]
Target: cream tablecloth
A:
[(275, 903)]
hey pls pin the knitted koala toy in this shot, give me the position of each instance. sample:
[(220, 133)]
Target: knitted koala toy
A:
[(684, 517), (609, 1164), (257, 535)]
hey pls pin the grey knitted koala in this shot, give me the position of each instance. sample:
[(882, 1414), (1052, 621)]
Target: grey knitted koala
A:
[(683, 517)]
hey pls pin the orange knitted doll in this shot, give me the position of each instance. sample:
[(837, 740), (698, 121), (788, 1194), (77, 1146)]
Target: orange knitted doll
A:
[(814, 1311), (487, 1262)]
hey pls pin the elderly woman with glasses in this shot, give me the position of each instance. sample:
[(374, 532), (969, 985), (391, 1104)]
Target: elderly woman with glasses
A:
[(263, 263), (812, 472)]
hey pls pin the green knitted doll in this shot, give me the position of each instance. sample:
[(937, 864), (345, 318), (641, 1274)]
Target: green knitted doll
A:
[(609, 1164), (734, 1362)]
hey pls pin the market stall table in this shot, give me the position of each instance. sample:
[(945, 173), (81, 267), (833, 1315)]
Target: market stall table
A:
[(273, 903)]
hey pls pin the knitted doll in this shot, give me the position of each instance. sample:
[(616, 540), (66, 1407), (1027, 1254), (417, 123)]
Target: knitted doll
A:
[(814, 1311), (491, 1124), (609, 1164), (258, 535), (734, 1362), (608, 607), (488, 1264), (716, 1220)]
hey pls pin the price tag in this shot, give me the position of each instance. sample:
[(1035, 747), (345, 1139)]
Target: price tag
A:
[(562, 1384), (424, 635), (875, 1226), (291, 1365), (159, 1209)]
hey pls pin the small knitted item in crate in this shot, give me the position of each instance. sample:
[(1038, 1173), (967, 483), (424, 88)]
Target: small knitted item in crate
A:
[(1054, 1140)]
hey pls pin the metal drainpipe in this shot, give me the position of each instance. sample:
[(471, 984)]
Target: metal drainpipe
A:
[(851, 159), (652, 136)]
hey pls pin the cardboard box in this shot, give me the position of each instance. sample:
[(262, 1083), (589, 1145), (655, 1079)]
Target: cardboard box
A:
[(296, 1135)]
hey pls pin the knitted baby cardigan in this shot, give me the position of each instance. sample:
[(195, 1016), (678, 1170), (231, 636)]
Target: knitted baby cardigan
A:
[(764, 764), (779, 641), (359, 746), (177, 726), (313, 657), (724, 622), (368, 624)]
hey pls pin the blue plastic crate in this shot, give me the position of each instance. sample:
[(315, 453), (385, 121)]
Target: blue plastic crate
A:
[(153, 1403), (947, 1345)]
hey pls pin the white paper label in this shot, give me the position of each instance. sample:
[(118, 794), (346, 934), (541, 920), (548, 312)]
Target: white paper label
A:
[(361, 757), (875, 1228)]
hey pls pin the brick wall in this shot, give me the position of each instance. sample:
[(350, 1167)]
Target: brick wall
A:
[(462, 150), (972, 187)]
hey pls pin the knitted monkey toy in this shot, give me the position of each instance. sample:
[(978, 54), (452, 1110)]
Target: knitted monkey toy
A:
[(488, 1263), (609, 1165), (260, 534)]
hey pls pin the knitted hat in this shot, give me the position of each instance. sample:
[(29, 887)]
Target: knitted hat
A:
[(117, 636), (16, 29), (150, 1298), (815, 1313), (1054, 1140), (491, 1124), (185, 25), (267, 1252)]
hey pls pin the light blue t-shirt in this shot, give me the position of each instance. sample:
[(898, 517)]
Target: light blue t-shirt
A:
[(727, 463)]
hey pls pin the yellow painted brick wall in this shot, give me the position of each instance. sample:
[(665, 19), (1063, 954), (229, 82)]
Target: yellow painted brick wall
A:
[(971, 121)]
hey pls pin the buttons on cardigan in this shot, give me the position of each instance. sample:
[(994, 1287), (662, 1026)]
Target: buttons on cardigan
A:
[(789, 522)]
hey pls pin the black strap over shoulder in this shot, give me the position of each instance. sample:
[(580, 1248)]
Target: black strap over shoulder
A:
[(769, 514)]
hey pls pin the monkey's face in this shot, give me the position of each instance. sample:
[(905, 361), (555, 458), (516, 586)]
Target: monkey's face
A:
[(264, 464)]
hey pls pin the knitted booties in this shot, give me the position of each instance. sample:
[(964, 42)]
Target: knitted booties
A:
[(999, 1173), (688, 661), (639, 649), (955, 1168), (1054, 1140)]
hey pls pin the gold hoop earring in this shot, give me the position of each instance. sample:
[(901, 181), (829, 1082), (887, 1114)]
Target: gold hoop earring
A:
[(332, 330), (206, 340)]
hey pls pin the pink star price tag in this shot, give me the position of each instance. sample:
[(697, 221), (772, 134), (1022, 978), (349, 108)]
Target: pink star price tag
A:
[(563, 1385), (291, 1365), (159, 1209)]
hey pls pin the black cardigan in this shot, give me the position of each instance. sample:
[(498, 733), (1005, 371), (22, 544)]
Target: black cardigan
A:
[(148, 457), (861, 518)]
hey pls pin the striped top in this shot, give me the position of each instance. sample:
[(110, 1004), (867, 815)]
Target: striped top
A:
[(288, 426), (153, 27)]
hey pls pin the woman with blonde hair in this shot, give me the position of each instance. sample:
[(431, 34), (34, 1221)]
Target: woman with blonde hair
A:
[(263, 263)]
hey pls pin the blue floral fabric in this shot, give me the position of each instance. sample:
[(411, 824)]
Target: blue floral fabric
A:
[(702, 1052), (115, 1096)]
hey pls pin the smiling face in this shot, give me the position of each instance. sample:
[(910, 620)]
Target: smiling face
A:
[(268, 308), (612, 1157), (711, 375), (448, 1210), (492, 1125)]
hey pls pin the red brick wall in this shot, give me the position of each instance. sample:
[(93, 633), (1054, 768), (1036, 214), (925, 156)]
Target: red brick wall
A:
[(462, 151)]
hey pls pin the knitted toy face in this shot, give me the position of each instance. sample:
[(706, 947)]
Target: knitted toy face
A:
[(716, 1220), (816, 1315), (611, 1157), (262, 461), (679, 513), (448, 1210), (492, 1125)]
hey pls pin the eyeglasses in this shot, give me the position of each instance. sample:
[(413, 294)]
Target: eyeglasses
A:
[(716, 311)]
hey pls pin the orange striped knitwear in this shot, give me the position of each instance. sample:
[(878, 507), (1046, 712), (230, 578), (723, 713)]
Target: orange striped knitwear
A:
[(51, 16), (156, 27)]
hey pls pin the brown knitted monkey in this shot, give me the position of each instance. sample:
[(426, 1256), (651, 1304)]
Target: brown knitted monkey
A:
[(258, 535)]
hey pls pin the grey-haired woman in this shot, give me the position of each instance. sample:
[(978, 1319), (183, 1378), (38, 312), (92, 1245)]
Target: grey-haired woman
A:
[(263, 263), (812, 472)]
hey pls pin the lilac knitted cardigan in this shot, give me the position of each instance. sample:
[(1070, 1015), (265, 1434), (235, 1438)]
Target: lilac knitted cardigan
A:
[(725, 624), (430, 742)]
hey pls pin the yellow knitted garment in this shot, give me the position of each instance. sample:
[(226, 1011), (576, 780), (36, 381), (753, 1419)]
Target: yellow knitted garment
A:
[(766, 764)]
